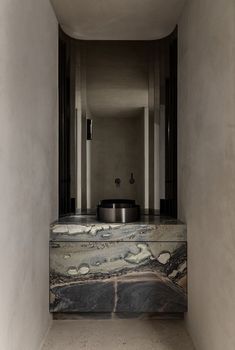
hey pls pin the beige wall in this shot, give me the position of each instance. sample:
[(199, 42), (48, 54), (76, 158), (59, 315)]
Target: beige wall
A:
[(207, 167), (117, 150), (28, 167)]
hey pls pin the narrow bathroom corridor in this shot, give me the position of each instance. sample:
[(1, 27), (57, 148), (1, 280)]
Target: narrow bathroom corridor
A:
[(117, 174), (108, 334)]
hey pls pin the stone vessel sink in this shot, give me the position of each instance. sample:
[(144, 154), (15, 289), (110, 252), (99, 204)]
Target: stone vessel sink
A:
[(118, 210)]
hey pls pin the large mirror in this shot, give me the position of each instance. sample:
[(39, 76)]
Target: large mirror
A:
[(118, 124), (118, 141)]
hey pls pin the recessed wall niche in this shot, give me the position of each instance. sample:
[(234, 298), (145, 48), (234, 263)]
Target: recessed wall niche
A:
[(118, 93)]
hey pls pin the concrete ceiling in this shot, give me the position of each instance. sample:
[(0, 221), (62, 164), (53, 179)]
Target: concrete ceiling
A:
[(118, 19)]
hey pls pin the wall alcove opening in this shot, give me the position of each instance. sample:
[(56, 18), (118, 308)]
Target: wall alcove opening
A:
[(118, 124)]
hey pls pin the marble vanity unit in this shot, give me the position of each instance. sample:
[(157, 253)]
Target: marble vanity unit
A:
[(130, 268)]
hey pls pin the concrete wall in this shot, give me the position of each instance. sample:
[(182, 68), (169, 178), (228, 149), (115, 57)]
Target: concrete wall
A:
[(28, 167), (117, 150), (207, 167)]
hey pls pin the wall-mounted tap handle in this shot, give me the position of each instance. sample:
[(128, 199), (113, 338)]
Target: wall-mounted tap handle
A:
[(117, 181), (132, 180)]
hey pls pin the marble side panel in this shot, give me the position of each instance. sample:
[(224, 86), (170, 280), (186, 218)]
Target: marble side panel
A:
[(109, 276)]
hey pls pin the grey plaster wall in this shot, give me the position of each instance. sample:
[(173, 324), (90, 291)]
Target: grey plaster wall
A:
[(206, 168), (28, 167), (117, 150)]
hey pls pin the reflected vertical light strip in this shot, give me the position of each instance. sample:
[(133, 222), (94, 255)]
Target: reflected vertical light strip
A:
[(146, 158), (79, 157), (156, 164), (78, 106), (162, 152)]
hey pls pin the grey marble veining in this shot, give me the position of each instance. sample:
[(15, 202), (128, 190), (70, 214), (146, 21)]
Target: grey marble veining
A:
[(118, 268), (87, 228), (118, 277)]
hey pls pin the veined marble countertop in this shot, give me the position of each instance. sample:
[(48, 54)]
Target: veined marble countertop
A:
[(86, 228)]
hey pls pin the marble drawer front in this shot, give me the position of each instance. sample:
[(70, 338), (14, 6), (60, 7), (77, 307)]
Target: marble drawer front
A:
[(118, 276)]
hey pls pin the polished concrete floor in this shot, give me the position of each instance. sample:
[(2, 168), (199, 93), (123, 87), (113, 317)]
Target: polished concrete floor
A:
[(118, 334)]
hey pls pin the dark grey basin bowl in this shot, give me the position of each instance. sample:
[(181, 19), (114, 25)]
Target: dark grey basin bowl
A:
[(118, 210)]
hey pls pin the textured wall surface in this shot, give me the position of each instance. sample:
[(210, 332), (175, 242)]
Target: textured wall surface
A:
[(117, 150), (207, 167), (28, 167), (115, 20)]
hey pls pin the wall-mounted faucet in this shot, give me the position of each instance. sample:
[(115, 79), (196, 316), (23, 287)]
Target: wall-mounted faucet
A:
[(132, 180), (117, 181)]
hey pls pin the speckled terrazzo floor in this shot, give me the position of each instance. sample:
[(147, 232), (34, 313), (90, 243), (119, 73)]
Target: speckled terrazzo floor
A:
[(118, 334)]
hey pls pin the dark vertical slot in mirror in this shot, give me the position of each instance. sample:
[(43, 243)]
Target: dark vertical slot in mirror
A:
[(64, 124), (169, 205)]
